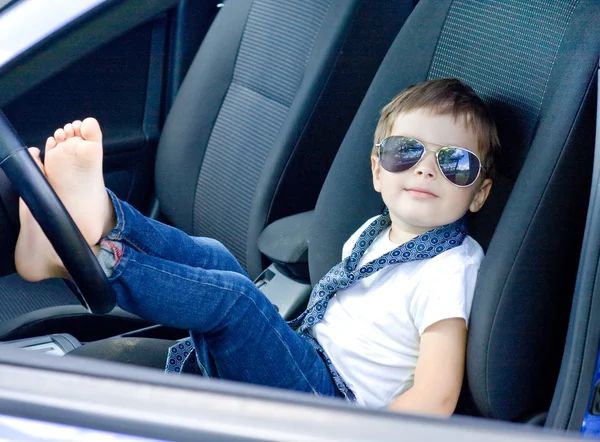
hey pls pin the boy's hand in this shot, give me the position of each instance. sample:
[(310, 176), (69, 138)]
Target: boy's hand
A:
[(439, 371)]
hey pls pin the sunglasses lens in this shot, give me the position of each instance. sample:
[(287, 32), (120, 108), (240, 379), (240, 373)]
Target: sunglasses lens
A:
[(398, 154), (459, 165)]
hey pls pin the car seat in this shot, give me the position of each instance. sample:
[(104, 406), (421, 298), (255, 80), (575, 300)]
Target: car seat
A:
[(535, 63), (263, 109)]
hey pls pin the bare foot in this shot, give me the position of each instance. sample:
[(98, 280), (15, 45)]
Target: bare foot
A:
[(35, 257), (73, 166)]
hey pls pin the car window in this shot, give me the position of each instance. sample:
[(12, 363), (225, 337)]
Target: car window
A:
[(16, 428), (26, 22), (6, 3)]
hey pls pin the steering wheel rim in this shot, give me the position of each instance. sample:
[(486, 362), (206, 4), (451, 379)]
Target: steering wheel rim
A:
[(31, 185)]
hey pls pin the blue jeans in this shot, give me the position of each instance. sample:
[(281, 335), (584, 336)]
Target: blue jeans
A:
[(165, 276)]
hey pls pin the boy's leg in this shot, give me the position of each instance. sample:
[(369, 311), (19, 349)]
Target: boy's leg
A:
[(157, 239), (247, 339), (73, 165)]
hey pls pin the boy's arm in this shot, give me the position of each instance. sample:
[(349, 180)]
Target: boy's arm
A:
[(439, 371)]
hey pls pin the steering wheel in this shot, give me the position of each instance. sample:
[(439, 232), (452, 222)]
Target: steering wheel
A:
[(31, 184)]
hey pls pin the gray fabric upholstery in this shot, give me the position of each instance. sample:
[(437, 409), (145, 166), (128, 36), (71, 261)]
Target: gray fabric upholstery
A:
[(266, 77), (181, 148), (495, 50), (20, 297), (539, 83)]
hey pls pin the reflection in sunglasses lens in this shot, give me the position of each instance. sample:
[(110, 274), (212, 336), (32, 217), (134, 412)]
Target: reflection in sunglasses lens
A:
[(458, 165), (398, 154)]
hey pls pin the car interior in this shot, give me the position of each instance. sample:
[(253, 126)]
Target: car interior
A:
[(264, 144)]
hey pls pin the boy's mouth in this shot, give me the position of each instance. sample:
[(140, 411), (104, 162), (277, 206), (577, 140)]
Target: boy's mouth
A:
[(420, 193)]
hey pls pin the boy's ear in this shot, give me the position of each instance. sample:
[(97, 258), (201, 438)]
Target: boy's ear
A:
[(376, 170), (481, 195)]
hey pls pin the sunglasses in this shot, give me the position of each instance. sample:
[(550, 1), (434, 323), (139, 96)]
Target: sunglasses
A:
[(460, 166)]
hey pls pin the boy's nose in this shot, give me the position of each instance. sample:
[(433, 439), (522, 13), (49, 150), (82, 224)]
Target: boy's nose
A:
[(427, 166)]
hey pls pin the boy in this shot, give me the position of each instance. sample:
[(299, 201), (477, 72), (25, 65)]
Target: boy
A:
[(394, 335)]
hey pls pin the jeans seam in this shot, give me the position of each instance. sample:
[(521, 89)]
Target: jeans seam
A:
[(117, 270), (119, 229), (120, 234), (129, 242), (253, 303), (202, 368)]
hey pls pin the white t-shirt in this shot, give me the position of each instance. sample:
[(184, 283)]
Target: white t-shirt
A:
[(371, 331)]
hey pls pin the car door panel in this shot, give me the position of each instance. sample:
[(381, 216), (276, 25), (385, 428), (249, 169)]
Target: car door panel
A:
[(122, 83), (125, 76), (111, 85)]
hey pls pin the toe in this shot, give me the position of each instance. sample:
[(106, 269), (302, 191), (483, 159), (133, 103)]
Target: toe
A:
[(69, 131), (59, 135), (90, 130), (50, 143), (35, 154), (77, 127)]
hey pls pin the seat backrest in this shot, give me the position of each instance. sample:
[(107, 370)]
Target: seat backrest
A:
[(262, 111), (534, 62)]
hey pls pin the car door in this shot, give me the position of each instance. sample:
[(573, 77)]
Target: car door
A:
[(120, 62)]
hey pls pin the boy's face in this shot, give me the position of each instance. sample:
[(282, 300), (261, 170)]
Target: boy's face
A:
[(421, 198)]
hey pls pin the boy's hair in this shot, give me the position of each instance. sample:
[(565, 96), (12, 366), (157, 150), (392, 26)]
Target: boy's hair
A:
[(446, 96)]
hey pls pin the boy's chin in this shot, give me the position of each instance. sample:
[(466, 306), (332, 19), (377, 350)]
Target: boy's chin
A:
[(419, 221), (424, 225)]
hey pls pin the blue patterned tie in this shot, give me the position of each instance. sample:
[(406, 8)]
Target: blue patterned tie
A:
[(178, 355), (344, 275)]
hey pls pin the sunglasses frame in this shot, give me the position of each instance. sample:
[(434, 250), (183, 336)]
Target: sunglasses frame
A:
[(437, 161)]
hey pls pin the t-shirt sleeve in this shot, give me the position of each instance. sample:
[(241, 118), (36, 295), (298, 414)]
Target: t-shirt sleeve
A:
[(446, 292)]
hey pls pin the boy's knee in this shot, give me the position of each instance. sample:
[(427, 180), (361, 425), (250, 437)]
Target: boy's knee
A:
[(209, 242), (216, 256)]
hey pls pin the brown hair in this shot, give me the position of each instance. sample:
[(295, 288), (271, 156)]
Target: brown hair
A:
[(443, 97)]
